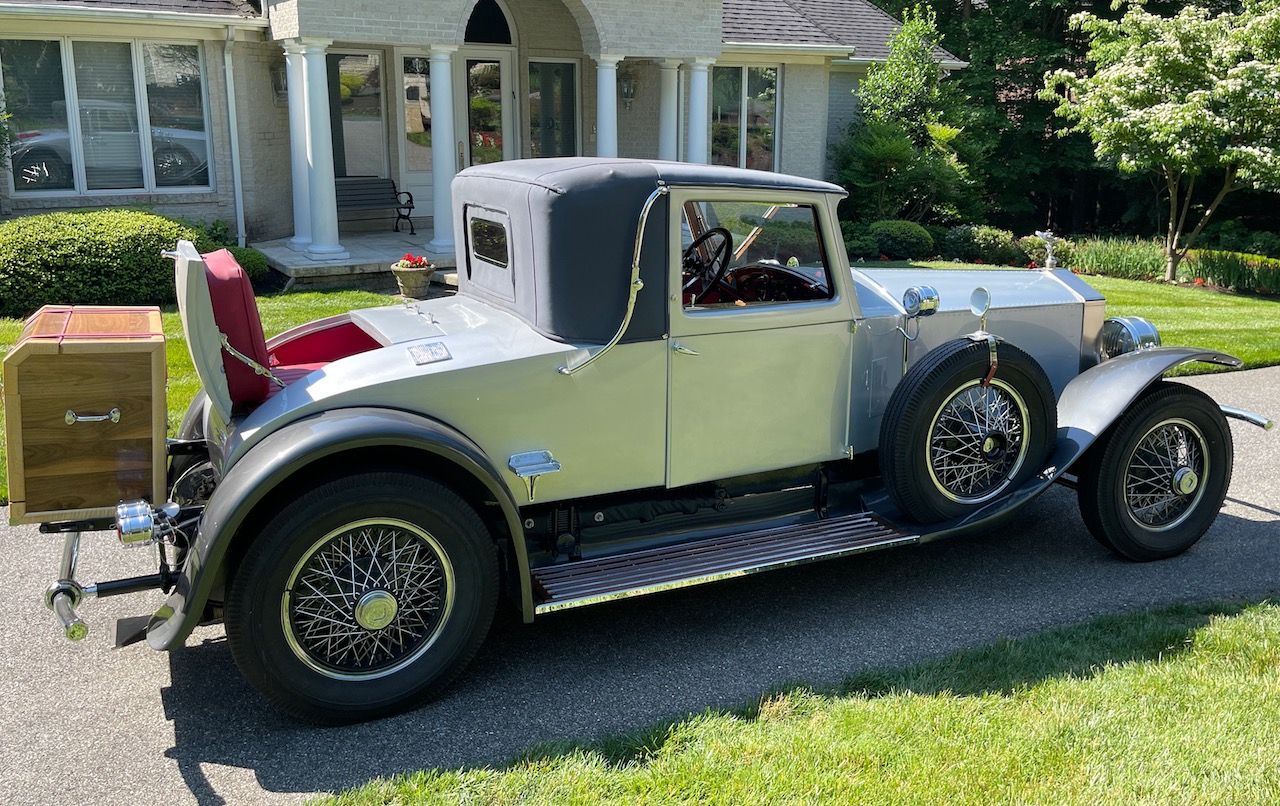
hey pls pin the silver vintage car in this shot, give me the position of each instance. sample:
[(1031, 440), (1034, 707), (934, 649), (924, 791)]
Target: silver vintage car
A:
[(652, 375)]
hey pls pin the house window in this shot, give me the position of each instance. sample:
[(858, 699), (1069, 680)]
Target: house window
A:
[(553, 107), (744, 110), (131, 99)]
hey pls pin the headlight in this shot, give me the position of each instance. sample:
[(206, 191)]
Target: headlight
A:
[(1124, 334)]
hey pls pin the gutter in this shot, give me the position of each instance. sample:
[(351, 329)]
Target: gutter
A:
[(945, 64), (93, 14), (236, 178)]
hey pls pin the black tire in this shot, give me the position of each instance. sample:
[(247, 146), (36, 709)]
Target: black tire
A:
[(42, 170), (949, 445), (403, 566), (1128, 500)]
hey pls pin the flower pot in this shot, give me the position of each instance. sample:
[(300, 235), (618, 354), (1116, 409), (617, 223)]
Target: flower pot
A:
[(413, 282)]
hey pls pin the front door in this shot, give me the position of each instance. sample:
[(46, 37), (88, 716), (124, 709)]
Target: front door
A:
[(486, 111), (760, 345)]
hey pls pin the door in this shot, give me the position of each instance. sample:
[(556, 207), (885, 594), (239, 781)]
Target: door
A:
[(486, 111), (761, 342)]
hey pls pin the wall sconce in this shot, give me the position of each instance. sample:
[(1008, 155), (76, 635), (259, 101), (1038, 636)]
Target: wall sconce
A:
[(279, 86), (627, 89)]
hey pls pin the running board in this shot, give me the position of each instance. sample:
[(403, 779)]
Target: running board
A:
[(620, 576)]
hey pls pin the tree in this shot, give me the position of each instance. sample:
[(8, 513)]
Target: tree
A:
[(903, 158), (907, 88), (1188, 97)]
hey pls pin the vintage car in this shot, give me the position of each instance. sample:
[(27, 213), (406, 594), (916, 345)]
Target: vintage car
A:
[(652, 375)]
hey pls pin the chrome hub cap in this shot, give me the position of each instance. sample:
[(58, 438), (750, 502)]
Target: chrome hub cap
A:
[(367, 599), (375, 610), (1162, 478), (977, 441)]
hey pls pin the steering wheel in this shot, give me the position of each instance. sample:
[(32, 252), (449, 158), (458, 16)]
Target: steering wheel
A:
[(711, 271)]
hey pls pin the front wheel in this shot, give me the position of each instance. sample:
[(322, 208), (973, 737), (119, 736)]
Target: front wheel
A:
[(362, 598), (1154, 484)]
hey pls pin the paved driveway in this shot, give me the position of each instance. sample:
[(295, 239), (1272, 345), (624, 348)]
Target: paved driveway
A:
[(84, 723)]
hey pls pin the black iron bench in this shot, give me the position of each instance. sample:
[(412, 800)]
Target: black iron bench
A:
[(375, 193)]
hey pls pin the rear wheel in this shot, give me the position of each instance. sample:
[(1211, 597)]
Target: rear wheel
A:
[(363, 598), (1154, 484)]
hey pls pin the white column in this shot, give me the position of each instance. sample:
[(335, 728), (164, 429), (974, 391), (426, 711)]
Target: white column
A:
[(324, 199), (298, 146), (669, 111), (699, 110), (444, 163), (607, 105)]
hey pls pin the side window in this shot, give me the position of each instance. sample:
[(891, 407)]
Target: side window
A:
[(740, 254), (489, 250)]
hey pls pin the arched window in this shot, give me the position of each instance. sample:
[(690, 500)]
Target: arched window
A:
[(488, 25)]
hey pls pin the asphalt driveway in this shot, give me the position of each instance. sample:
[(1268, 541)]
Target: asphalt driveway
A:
[(85, 723)]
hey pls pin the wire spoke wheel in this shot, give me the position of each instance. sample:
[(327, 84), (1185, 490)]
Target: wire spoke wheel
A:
[(976, 442), (1152, 485), (1162, 477), (367, 598)]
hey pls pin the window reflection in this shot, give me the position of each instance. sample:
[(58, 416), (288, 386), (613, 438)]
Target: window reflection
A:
[(744, 110), (553, 98), (358, 143), (175, 104), (417, 113)]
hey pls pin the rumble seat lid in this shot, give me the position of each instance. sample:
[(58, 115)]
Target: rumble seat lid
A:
[(195, 307)]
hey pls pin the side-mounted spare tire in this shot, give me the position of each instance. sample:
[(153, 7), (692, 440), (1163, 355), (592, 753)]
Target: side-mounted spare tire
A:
[(950, 442)]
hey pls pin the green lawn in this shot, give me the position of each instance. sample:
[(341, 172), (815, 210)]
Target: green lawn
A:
[(1173, 706)]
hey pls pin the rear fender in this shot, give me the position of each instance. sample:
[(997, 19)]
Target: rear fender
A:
[(290, 450), (1087, 407)]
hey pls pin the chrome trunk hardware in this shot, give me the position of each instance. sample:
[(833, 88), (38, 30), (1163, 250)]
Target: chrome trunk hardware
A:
[(72, 418), (532, 464), (682, 350), (257, 368), (634, 286)]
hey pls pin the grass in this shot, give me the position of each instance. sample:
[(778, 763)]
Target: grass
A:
[(1170, 706), (278, 313)]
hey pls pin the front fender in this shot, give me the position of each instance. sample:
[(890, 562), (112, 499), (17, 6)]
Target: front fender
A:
[(290, 450), (1087, 407)]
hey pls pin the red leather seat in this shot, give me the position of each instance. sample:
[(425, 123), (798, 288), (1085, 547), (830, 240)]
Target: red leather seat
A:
[(236, 312)]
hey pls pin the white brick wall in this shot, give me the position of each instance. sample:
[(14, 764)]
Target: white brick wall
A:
[(265, 167), (804, 120)]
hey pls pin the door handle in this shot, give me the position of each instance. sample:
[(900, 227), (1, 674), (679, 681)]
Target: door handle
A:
[(680, 348)]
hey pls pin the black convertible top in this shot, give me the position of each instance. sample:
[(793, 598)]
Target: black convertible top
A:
[(572, 228)]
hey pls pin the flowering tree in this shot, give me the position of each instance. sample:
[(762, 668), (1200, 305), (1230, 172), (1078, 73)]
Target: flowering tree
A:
[(1183, 97)]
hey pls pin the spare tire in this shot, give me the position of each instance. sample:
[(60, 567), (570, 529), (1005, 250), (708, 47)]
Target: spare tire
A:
[(949, 444)]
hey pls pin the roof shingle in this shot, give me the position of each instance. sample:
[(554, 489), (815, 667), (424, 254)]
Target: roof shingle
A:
[(230, 8)]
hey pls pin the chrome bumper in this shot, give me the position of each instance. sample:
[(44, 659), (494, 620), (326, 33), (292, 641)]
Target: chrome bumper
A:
[(1265, 423)]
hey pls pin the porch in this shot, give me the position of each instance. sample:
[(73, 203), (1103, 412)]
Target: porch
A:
[(366, 264)]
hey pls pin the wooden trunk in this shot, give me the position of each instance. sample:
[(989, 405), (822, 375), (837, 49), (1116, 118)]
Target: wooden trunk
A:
[(85, 412)]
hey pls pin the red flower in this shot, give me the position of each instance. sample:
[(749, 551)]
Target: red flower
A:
[(884, 257), (1199, 281), (1032, 265)]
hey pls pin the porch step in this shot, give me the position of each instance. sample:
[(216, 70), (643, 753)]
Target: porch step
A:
[(591, 581)]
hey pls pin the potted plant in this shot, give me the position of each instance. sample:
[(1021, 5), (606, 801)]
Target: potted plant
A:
[(413, 275)]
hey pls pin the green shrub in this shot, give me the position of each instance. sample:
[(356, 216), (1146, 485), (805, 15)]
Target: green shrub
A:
[(1236, 270), (783, 240), (978, 243), (252, 261), (902, 240), (1232, 236), (1064, 251), (862, 247), (102, 257), (1126, 258)]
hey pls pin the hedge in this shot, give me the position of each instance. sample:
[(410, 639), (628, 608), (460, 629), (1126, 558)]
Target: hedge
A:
[(978, 243), (902, 240), (101, 257)]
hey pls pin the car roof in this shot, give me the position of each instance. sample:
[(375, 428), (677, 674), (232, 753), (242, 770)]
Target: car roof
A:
[(564, 174)]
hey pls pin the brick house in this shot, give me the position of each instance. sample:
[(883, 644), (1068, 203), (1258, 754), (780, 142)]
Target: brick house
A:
[(325, 90)]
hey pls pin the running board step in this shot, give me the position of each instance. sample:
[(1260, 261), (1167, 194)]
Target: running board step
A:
[(616, 577)]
